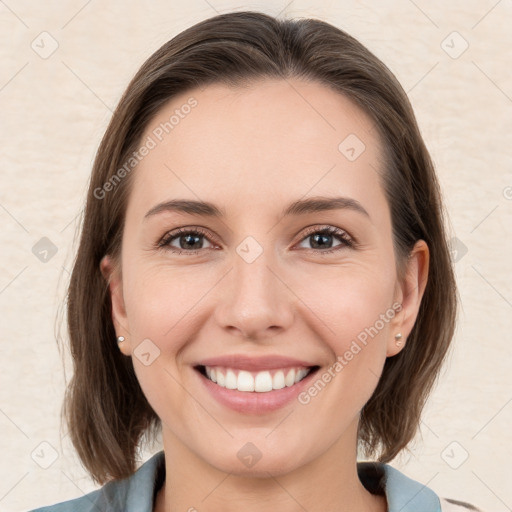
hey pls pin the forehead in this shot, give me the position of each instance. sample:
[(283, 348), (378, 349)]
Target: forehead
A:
[(258, 145)]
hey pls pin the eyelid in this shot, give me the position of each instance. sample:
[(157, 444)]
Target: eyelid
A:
[(332, 230), (168, 236)]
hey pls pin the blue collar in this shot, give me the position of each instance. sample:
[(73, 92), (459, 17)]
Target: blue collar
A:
[(402, 493), (137, 493)]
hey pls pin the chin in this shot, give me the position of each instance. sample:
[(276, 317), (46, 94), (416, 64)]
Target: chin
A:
[(255, 459), (271, 466)]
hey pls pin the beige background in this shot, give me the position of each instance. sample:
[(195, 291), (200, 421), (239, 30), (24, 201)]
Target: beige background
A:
[(54, 111)]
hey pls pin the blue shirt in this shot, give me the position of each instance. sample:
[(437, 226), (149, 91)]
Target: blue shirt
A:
[(137, 493)]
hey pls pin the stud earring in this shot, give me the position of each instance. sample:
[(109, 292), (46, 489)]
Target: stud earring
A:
[(398, 339), (120, 339)]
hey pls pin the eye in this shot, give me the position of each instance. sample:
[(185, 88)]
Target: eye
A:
[(188, 240), (321, 239)]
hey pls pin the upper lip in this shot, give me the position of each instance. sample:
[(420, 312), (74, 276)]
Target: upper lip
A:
[(254, 363)]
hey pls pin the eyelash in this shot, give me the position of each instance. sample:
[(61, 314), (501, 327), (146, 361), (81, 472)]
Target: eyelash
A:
[(164, 243)]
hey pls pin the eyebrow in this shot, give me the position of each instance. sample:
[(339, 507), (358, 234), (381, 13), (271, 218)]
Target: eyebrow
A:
[(299, 207)]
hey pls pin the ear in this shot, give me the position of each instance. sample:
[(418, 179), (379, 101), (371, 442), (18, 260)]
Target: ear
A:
[(112, 275), (409, 294)]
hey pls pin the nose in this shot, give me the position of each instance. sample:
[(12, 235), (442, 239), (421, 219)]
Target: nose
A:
[(254, 301)]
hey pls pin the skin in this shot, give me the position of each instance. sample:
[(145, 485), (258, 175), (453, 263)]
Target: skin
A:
[(252, 151)]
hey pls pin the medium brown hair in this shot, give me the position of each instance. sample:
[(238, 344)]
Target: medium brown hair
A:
[(105, 408)]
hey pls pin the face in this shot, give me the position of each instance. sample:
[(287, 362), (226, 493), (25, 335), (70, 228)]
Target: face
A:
[(294, 307)]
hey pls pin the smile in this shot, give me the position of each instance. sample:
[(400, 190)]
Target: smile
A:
[(259, 382)]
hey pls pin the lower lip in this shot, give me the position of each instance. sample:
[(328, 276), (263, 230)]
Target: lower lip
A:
[(253, 402)]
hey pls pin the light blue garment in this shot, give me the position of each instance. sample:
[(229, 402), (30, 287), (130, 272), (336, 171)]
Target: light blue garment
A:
[(136, 493)]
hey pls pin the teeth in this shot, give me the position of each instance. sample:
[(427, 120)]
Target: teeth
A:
[(231, 380), (221, 379), (245, 381), (278, 380), (263, 382), (290, 378), (301, 374), (260, 382)]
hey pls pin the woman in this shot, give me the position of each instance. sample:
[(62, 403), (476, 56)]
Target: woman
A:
[(263, 236)]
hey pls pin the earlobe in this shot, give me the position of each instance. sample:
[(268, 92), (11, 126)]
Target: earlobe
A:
[(411, 290), (396, 346), (119, 318)]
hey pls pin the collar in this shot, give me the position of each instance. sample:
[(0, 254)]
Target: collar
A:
[(402, 493)]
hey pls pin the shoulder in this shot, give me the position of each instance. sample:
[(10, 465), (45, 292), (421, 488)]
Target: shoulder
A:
[(132, 494), (404, 494)]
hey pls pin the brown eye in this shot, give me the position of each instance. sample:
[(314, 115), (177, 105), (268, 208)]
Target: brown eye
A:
[(188, 241), (321, 239)]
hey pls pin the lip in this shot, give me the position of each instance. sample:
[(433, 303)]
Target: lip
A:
[(254, 363), (253, 402)]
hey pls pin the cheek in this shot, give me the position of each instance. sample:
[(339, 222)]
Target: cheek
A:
[(355, 310), (160, 301), (351, 300), (159, 307), (339, 303)]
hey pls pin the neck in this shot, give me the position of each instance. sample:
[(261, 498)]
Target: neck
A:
[(329, 482)]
